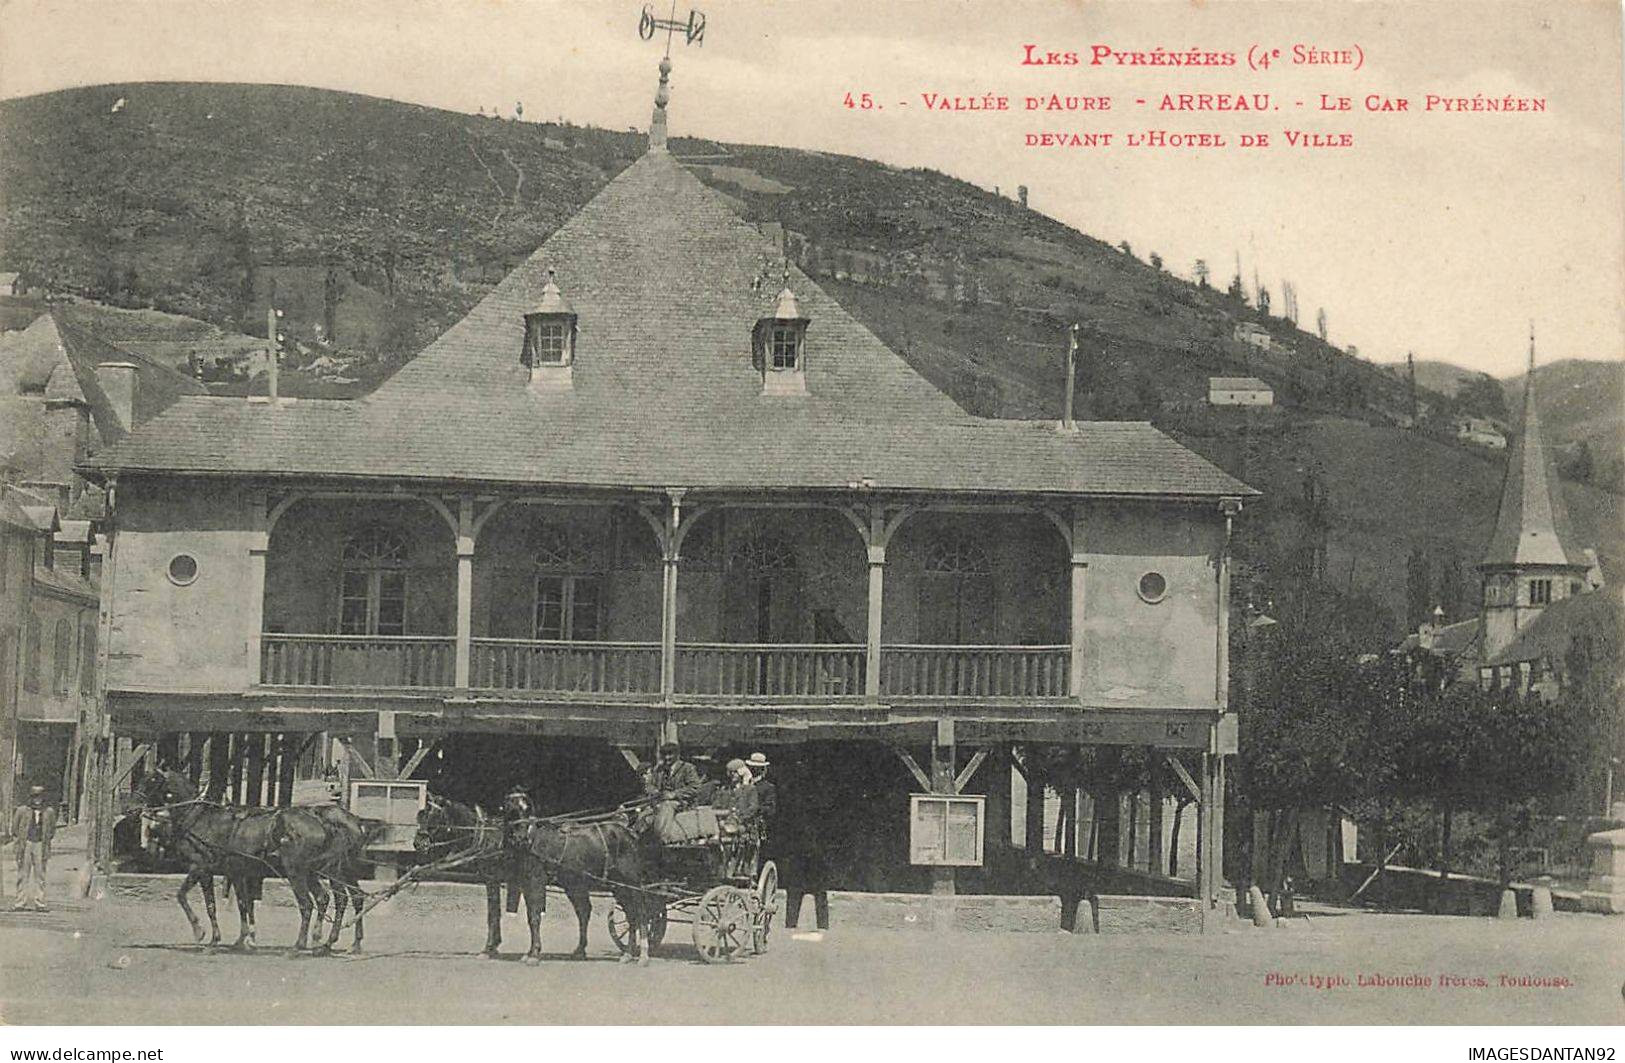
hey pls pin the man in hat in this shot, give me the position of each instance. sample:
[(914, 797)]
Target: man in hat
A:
[(766, 792), (33, 825)]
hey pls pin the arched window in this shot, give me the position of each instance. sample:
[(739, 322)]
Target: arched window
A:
[(372, 595), (956, 592), (62, 657), (569, 585), (764, 595), (31, 656), (87, 655)]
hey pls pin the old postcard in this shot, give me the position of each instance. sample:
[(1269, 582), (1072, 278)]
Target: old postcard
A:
[(933, 513)]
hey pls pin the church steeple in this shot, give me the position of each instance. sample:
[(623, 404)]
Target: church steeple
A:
[(1532, 560)]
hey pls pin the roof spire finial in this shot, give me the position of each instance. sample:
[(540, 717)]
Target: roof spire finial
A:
[(694, 33), (657, 123)]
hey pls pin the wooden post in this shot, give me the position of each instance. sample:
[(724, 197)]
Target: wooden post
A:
[(219, 765), (287, 763), (386, 760), (996, 786), (1035, 812), (1218, 824), (668, 595), (1080, 572), (256, 768), (942, 782), (877, 597), (239, 750), (465, 591), (1155, 862), (1209, 846), (253, 591)]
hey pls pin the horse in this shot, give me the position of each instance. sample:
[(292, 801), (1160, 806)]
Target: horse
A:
[(249, 845), (448, 827), (603, 853)]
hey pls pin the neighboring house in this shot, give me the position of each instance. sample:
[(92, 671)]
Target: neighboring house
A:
[(65, 394), (1253, 335), (47, 646), (1239, 391), (1481, 431), (637, 495)]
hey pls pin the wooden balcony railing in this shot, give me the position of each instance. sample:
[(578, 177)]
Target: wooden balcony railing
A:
[(741, 671), (770, 670), (565, 667), (974, 671), (371, 661)]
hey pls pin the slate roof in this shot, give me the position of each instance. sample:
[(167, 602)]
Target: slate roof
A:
[(1450, 640), (1236, 383), (1553, 632), (58, 359), (1532, 524), (667, 283)]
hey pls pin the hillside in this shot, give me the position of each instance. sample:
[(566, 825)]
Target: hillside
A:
[(374, 224)]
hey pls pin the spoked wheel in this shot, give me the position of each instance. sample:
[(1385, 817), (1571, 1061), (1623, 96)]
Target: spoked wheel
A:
[(767, 904), (620, 930), (722, 924)]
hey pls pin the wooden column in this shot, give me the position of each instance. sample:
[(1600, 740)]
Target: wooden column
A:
[(996, 786), (253, 592), (287, 767), (386, 759), (942, 782), (239, 750), (1155, 862), (1080, 573), (1035, 811), (255, 780), (877, 597), (219, 765), (465, 591), (669, 556), (1209, 845)]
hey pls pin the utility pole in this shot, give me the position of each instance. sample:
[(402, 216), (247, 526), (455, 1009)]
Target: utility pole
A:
[(1067, 422)]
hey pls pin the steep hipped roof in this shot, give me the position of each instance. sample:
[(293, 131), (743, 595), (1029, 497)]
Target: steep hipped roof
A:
[(1553, 632), (58, 359), (1532, 526), (667, 283)]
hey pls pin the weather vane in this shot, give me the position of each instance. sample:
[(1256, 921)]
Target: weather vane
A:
[(693, 29)]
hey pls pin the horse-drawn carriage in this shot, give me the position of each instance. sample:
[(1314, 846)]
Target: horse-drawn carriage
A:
[(720, 886)]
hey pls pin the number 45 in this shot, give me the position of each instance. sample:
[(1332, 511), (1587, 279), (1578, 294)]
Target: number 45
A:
[(863, 102)]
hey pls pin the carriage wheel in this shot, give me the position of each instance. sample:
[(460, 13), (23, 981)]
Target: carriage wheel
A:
[(767, 903), (722, 924), (621, 933)]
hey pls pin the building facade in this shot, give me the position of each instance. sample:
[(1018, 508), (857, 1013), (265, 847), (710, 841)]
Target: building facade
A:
[(1239, 391), (659, 485)]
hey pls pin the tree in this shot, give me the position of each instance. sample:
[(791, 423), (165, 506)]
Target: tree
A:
[(1320, 323), (1156, 261), (1126, 249), (1482, 394)]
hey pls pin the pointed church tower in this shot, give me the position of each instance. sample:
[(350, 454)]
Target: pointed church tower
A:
[(1532, 560)]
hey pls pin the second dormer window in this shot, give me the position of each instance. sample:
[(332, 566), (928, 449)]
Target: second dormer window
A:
[(550, 340), (786, 346)]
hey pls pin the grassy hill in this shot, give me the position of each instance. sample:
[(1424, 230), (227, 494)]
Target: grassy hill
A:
[(375, 224)]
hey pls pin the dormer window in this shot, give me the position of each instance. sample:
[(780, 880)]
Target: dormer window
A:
[(781, 339), (550, 339)]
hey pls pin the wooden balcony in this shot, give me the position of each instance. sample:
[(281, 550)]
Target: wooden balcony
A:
[(974, 671), (817, 672), (731, 672), (377, 662), (565, 667)]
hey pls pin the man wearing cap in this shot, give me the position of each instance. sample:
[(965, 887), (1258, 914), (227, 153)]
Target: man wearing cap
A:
[(673, 778), (33, 825)]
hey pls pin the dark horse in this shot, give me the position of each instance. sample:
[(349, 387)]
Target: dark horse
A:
[(310, 847), (532, 853)]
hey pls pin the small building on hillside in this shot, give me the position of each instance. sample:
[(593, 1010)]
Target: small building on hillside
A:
[(1239, 391), (1253, 335), (1482, 432)]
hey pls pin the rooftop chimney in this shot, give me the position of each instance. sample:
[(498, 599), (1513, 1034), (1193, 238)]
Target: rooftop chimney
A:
[(119, 381)]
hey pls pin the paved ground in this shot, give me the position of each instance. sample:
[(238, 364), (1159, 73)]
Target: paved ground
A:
[(68, 966)]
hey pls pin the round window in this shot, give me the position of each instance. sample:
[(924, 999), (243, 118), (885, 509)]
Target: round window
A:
[(1153, 587), (182, 569)]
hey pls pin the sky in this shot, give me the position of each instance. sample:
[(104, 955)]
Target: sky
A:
[(1445, 234)]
